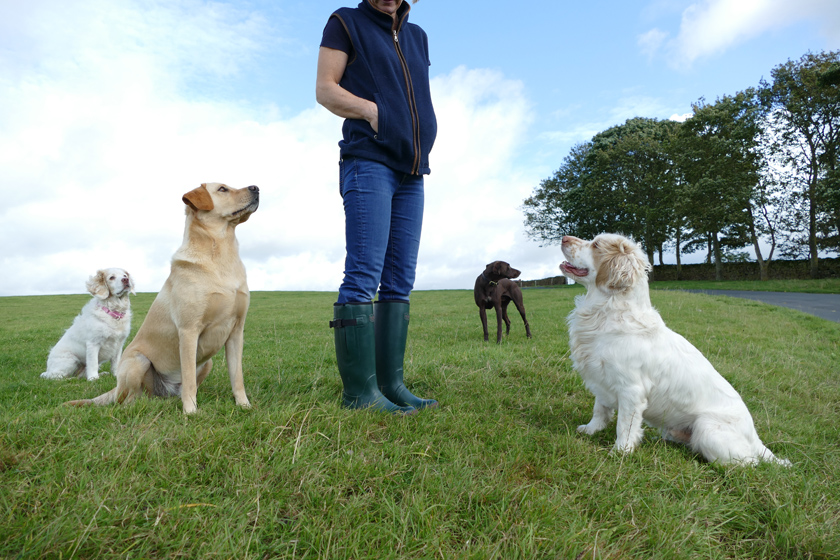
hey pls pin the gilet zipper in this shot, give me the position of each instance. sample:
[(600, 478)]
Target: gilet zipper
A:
[(412, 106)]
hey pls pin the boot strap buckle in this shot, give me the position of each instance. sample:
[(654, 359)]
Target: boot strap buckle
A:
[(341, 323)]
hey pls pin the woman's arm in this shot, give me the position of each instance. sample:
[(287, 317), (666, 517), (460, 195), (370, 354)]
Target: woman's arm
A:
[(328, 92)]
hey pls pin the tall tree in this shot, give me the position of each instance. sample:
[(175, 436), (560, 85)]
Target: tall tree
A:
[(829, 188), (720, 161), (804, 98), (630, 164), (622, 181), (564, 204)]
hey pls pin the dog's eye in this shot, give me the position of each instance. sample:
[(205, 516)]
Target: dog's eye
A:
[(111, 278), (222, 189)]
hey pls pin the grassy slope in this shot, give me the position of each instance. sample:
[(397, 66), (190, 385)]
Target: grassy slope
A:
[(497, 471)]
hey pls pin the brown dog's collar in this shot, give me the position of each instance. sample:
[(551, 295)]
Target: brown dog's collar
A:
[(489, 282)]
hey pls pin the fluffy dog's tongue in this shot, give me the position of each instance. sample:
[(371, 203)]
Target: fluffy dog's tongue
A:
[(575, 271)]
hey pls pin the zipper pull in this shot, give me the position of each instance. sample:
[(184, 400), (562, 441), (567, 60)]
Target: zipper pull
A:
[(396, 40)]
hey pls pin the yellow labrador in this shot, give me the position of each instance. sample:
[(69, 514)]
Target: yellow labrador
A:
[(201, 307)]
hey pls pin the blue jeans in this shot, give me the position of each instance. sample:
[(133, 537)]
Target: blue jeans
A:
[(383, 212)]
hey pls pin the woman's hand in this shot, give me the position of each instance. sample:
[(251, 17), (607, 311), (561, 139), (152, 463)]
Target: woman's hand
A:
[(374, 120), (339, 101)]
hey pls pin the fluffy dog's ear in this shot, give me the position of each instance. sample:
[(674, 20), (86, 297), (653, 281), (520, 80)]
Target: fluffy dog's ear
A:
[(98, 286), (199, 199), (620, 265)]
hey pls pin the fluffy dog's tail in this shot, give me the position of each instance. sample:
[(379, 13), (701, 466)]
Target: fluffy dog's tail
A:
[(767, 455), (731, 442)]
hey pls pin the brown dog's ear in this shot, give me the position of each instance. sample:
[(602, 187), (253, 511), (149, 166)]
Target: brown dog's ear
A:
[(199, 199), (97, 286)]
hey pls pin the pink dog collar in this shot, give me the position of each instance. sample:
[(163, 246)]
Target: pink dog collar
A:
[(112, 313)]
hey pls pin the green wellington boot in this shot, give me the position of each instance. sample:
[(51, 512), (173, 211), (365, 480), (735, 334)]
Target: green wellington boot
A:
[(391, 326), (354, 350)]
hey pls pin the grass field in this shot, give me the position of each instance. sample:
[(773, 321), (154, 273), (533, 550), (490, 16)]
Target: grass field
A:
[(497, 472), (821, 286)]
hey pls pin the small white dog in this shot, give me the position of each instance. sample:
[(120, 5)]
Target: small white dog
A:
[(98, 333), (633, 363)]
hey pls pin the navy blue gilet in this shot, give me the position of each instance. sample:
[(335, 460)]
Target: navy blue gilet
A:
[(390, 67)]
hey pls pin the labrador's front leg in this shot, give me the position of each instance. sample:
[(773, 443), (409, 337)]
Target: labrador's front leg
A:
[(233, 355), (188, 347)]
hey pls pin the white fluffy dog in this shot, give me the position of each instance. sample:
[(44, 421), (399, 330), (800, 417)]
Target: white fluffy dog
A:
[(633, 363), (98, 333)]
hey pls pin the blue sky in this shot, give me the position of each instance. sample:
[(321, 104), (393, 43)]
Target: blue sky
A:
[(110, 110)]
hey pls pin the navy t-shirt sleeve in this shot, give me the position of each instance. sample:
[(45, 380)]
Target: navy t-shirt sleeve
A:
[(336, 37)]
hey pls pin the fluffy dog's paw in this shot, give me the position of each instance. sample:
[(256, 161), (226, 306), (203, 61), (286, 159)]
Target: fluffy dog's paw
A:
[(586, 429), (93, 377), (622, 449)]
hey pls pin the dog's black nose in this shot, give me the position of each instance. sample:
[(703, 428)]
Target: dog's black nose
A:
[(254, 188)]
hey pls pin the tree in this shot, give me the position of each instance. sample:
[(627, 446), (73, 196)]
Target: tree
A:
[(563, 204), (828, 190), (629, 165), (804, 100), (717, 149), (622, 181)]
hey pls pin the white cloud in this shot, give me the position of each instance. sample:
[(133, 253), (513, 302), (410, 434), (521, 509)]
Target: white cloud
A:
[(628, 106), (711, 27), (104, 128), (652, 41), (101, 137), (475, 191), (680, 117)]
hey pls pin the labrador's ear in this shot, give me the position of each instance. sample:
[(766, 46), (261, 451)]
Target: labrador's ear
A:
[(199, 199)]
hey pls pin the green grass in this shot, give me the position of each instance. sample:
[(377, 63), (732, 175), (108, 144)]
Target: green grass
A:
[(821, 286), (497, 472)]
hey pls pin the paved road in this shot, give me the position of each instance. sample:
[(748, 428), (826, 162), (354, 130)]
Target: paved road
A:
[(826, 306)]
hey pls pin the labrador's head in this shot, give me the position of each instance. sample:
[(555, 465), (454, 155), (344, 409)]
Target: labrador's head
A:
[(219, 202)]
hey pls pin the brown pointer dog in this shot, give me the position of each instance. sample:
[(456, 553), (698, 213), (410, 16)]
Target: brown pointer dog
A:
[(201, 307), (494, 290)]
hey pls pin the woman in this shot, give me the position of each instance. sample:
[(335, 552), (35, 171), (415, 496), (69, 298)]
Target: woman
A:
[(373, 70)]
